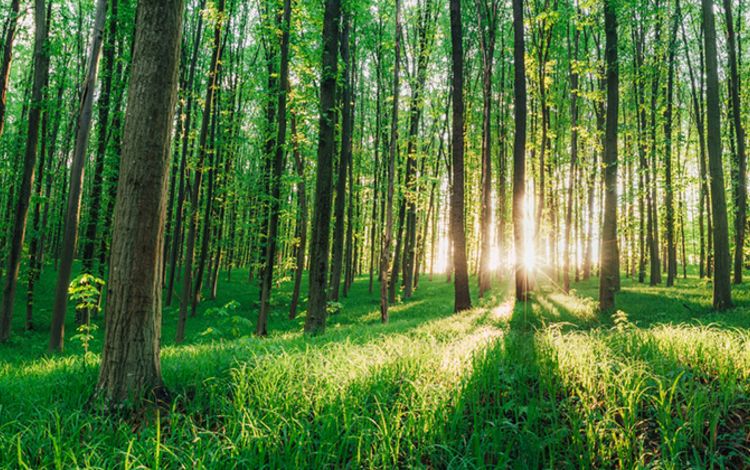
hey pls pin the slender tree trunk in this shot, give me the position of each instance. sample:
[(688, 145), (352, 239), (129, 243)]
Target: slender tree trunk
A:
[(130, 366), (462, 295), (722, 288), (301, 231), (278, 168), (740, 183), (187, 125), (315, 321), (573, 160), (668, 185), (519, 152), (609, 250), (385, 251), (41, 72), (72, 218), (339, 207), (10, 35), (187, 278)]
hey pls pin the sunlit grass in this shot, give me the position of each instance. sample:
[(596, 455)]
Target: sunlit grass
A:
[(549, 383)]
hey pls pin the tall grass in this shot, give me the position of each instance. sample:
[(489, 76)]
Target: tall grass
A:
[(548, 384)]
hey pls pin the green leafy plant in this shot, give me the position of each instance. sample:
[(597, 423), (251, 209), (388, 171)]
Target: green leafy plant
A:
[(85, 290), (85, 335), (230, 323)]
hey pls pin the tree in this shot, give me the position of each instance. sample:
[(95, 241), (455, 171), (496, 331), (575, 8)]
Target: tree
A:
[(722, 289), (458, 232), (278, 168), (130, 366), (317, 304), (609, 250), (41, 72), (487, 12), (519, 152), (385, 250), (72, 217), (739, 179)]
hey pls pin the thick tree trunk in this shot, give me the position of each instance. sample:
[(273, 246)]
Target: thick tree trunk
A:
[(130, 366), (722, 287), (609, 250), (458, 231), (41, 71), (72, 217), (315, 321)]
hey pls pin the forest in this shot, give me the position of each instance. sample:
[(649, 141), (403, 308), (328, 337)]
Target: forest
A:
[(374, 234)]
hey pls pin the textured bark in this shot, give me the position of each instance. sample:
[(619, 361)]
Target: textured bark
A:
[(461, 285), (130, 367), (278, 168), (345, 157), (722, 295), (519, 151), (315, 321), (487, 33), (73, 214), (609, 249), (15, 252), (386, 239)]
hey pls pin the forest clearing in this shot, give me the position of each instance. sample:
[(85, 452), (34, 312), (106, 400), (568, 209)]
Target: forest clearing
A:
[(374, 234)]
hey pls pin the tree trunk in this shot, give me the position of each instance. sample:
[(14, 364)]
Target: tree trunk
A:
[(130, 366), (10, 35), (385, 250), (573, 160), (609, 250), (315, 321), (519, 152), (347, 110), (72, 217), (668, 185), (739, 184), (187, 278), (462, 295), (721, 283), (301, 230), (41, 71)]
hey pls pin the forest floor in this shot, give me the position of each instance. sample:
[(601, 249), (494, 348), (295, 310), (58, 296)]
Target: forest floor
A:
[(550, 383)]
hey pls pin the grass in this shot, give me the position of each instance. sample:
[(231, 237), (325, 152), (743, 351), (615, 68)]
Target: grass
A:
[(551, 383)]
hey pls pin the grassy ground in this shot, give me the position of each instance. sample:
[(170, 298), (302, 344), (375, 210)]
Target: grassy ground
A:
[(550, 383)]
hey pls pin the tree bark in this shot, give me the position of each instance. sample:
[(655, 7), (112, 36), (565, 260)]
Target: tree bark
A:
[(519, 152), (41, 72), (130, 366), (609, 249), (72, 217), (461, 283), (722, 295), (315, 321)]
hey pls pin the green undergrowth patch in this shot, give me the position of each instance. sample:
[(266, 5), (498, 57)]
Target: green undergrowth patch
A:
[(550, 383)]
